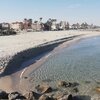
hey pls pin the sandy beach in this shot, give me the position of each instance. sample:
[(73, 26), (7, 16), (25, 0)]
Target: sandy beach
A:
[(11, 45)]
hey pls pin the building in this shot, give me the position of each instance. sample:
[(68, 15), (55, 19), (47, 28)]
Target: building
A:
[(5, 26), (76, 26), (17, 26), (36, 26), (62, 25), (27, 24), (53, 25), (0, 26)]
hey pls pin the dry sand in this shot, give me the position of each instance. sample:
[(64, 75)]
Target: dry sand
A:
[(10, 45)]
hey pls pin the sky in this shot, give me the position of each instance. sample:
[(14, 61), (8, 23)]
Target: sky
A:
[(70, 10)]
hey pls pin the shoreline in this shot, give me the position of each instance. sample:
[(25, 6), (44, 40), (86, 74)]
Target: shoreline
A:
[(20, 44), (35, 66), (13, 77), (10, 78), (27, 54)]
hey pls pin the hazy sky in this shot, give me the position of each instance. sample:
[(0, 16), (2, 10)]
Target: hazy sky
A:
[(69, 10)]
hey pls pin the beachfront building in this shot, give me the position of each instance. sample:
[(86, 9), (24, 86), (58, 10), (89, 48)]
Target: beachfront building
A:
[(27, 24), (63, 25), (17, 26), (76, 26), (84, 26), (5, 26), (37, 26), (67, 26), (53, 25)]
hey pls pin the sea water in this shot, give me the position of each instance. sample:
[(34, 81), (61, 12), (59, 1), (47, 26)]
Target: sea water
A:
[(80, 62)]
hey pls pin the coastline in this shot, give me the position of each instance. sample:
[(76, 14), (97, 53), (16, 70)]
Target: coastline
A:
[(14, 77), (10, 78), (14, 45), (33, 67)]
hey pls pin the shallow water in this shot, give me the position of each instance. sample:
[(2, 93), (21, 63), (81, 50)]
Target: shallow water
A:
[(79, 62)]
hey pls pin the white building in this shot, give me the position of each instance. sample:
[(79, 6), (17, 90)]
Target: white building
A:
[(17, 26), (5, 25), (36, 27)]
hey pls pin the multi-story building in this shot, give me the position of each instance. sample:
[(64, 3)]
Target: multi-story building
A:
[(27, 24), (36, 26), (5, 25), (17, 26)]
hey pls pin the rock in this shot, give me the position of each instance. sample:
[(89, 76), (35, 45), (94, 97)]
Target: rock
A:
[(25, 77), (62, 84), (3, 95), (98, 89), (60, 96), (29, 96), (75, 90), (15, 95), (65, 97), (45, 97), (32, 95), (87, 82), (73, 84), (67, 84), (70, 97), (43, 89)]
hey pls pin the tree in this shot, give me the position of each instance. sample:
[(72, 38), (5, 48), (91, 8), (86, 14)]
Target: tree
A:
[(74, 26), (78, 26), (25, 20), (35, 21), (47, 25), (67, 25), (84, 25), (41, 19), (25, 25), (30, 23)]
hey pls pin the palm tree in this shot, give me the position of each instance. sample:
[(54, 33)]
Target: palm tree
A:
[(53, 24), (78, 26), (41, 24), (30, 23), (25, 24), (74, 26), (67, 25), (47, 25), (35, 21), (84, 25), (25, 20), (41, 19)]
